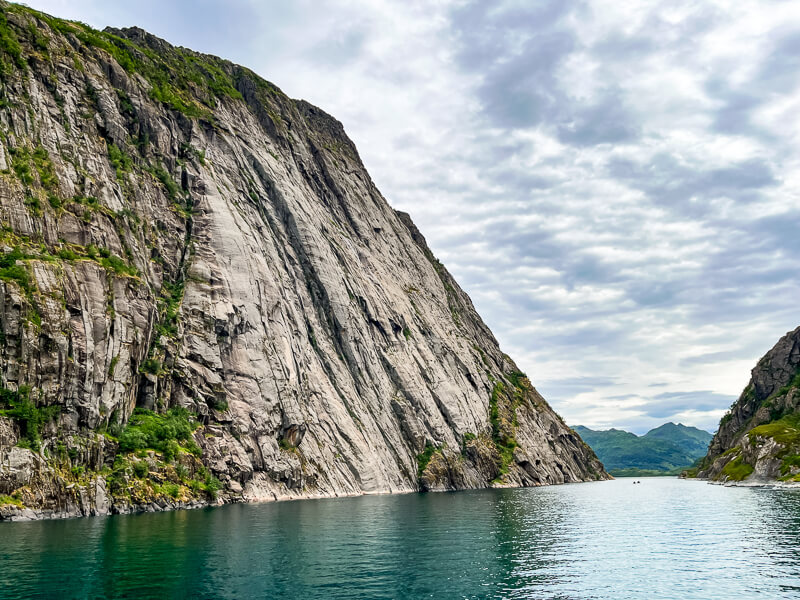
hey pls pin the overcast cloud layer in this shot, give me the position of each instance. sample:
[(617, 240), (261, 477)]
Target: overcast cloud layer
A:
[(615, 184)]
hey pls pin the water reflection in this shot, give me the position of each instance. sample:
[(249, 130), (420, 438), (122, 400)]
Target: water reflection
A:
[(661, 539)]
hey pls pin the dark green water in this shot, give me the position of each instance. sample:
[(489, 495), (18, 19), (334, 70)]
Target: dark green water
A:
[(663, 538)]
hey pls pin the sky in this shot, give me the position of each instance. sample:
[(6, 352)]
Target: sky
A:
[(615, 184)]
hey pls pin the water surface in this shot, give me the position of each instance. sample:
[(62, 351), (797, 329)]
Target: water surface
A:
[(663, 538)]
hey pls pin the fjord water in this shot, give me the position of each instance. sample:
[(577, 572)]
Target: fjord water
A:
[(662, 538)]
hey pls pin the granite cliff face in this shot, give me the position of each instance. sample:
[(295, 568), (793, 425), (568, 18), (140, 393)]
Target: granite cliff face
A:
[(204, 298), (759, 438)]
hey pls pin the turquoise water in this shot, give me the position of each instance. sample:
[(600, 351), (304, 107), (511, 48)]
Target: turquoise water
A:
[(663, 538)]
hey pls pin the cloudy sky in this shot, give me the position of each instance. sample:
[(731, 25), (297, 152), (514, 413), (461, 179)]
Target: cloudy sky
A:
[(614, 183)]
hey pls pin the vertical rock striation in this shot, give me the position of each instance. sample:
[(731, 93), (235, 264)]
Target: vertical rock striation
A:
[(203, 297)]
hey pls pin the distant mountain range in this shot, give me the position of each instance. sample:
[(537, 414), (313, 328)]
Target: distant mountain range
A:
[(665, 450)]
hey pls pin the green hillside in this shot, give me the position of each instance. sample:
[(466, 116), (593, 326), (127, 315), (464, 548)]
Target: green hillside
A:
[(690, 439), (665, 450)]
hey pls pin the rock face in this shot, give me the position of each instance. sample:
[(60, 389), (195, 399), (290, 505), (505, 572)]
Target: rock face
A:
[(204, 298), (759, 438)]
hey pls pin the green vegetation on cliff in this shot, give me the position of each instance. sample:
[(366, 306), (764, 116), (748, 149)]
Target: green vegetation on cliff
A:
[(17, 405), (169, 434), (25, 249), (737, 469), (502, 430), (187, 82), (785, 431), (13, 499), (424, 457), (503, 405), (144, 476), (11, 271), (10, 51)]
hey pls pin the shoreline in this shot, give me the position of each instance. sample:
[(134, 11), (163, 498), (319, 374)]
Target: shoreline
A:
[(27, 514), (757, 484)]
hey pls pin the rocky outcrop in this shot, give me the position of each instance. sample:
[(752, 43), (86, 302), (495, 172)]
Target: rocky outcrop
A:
[(759, 438), (204, 298)]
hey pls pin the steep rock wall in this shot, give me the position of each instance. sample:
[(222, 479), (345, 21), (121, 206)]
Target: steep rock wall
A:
[(759, 438), (184, 246)]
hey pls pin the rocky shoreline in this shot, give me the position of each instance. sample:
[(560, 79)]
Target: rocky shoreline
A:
[(13, 513)]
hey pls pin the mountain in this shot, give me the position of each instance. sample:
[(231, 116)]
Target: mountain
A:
[(204, 298), (759, 437), (665, 450), (692, 440)]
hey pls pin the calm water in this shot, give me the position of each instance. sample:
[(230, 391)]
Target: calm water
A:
[(664, 538)]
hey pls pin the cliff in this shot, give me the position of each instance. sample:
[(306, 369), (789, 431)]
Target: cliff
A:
[(204, 298), (759, 438)]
